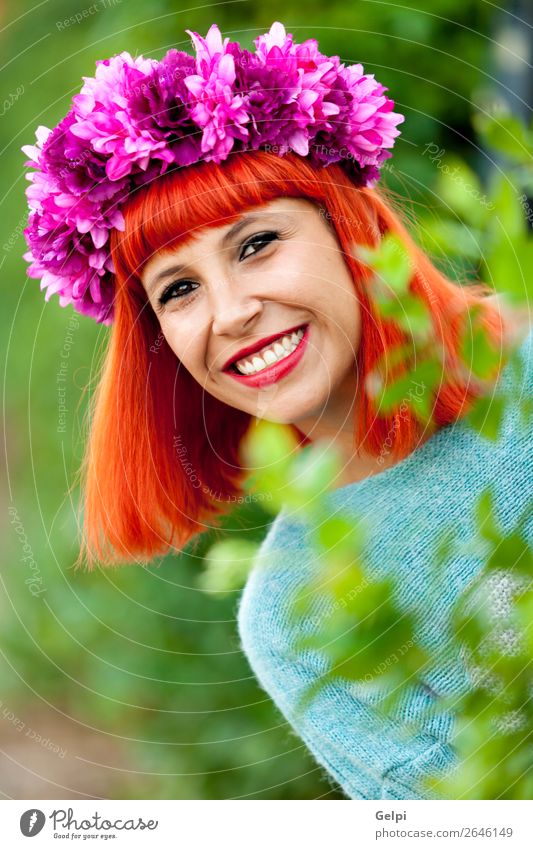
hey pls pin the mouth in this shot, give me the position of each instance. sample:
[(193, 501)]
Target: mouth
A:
[(271, 362)]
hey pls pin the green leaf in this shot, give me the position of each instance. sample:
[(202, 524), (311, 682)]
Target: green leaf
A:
[(524, 617), (460, 189), (314, 470), (508, 209), (526, 412), (477, 352), (426, 376), (487, 524), (391, 262), (486, 416), (415, 317), (227, 565), (267, 444), (508, 268), (269, 449), (512, 552), (337, 533), (452, 238), (506, 134)]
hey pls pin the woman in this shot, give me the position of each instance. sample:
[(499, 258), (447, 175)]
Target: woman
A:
[(212, 208)]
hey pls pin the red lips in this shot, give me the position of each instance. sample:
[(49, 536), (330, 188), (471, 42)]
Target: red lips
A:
[(252, 349), (272, 373)]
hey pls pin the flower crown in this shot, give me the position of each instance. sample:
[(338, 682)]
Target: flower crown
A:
[(138, 118)]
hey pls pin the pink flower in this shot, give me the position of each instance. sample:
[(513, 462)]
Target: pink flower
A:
[(136, 118), (103, 117), (217, 109)]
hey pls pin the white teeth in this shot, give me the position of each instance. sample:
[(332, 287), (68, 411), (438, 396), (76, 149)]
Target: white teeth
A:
[(277, 351)]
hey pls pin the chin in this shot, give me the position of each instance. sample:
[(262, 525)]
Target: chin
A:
[(276, 418), (288, 415)]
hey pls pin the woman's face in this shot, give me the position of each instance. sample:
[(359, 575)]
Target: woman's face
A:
[(262, 312)]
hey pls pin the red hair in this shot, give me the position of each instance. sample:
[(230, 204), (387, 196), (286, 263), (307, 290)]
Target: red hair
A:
[(162, 456)]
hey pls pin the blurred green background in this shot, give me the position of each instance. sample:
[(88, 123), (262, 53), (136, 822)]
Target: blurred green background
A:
[(130, 683)]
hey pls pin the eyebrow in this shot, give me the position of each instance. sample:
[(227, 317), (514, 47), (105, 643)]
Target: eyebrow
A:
[(251, 218)]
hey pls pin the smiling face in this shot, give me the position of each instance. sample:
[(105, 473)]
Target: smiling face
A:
[(262, 312)]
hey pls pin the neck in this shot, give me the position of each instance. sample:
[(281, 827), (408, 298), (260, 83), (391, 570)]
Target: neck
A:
[(334, 425)]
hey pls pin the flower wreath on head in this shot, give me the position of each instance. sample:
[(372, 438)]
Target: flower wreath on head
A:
[(138, 118)]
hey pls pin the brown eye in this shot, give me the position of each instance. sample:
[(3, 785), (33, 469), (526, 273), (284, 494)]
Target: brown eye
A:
[(259, 238), (176, 290)]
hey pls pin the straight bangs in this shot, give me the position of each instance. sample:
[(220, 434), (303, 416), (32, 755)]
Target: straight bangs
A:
[(173, 208)]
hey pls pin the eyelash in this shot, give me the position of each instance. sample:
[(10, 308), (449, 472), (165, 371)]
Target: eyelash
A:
[(166, 294)]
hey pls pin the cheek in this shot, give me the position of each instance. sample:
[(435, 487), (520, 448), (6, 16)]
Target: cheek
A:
[(186, 345), (298, 282), (318, 274), (327, 288), (341, 296)]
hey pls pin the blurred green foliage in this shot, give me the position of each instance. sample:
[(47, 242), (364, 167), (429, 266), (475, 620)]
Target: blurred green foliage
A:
[(141, 655)]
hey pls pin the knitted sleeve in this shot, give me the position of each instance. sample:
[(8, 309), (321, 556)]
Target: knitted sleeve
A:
[(433, 489)]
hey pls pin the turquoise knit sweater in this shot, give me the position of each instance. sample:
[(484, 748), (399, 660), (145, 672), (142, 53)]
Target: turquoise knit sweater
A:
[(434, 487)]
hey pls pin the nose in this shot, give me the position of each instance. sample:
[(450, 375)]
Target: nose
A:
[(234, 314)]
